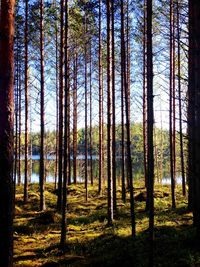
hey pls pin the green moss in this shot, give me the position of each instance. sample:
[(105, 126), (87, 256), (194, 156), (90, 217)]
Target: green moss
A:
[(91, 243)]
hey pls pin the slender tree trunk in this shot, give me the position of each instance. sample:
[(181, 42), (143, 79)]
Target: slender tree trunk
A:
[(127, 112), (66, 133), (150, 122), (86, 111), (75, 119), (57, 109), (171, 113), (196, 69), (6, 131), (128, 56), (109, 115), (30, 142), (174, 96), (113, 109), (144, 98), (26, 106), (20, 126), (68, 124), (180, 103), (17, 75), (122, 120), (60, 147), (194, 111), (127, 62), (91, 141), (100, 103), (42, 133), (161, 146), (191, 116), (156, 166)]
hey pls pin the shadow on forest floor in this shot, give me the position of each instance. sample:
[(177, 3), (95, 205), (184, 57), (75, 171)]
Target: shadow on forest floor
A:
[(91, 243)]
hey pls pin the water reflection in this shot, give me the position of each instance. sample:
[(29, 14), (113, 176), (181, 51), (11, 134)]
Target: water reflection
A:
[(50, 170)]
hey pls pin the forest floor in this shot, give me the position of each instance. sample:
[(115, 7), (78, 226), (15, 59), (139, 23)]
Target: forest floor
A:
[(90, 242)]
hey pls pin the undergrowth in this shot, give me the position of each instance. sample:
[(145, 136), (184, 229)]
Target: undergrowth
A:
[(90, 242)]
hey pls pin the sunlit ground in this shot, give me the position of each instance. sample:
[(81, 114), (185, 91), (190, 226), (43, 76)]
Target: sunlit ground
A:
[(90, 242)]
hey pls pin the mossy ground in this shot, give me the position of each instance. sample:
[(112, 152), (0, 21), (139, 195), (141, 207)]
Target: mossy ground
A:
[(90, 242)]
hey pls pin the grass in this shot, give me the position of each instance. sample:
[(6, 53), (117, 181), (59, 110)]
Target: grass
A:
[(90, 242)]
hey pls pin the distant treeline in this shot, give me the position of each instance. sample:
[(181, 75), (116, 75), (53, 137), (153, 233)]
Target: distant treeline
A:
[(161, 149)]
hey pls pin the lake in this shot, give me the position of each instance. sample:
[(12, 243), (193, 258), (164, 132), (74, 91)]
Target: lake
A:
[(50, 170)]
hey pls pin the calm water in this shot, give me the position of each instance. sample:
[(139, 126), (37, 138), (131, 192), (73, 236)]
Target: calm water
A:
[(50, 170)]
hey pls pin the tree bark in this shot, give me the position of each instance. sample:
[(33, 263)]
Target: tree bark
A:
[(26, 107), (42, 130), (194, 110), (144, 97), (191, 114), (122, 116), (113, 109), (60, 145), (6, 131), (91, 141), (127, 112), (66, 140), (196, 69), (171, 104), (20, 126), (75, 119), (109, 115), (57, 109), (180, 103), (86, 111), (150, 122), (100, 103)]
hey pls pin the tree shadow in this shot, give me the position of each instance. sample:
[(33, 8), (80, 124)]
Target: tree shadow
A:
[(173, 246)]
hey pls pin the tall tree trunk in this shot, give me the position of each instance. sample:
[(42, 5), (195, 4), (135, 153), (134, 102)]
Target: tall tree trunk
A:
[(60, 148), (26, 106), (191, 115), (194, 109), (174, 96), (91, 141), (68, 121), (144, 97), (86, 111), (30, 142), (196, 69), (109, 115), (150, 122), (66, 135), (171, 103), (128, 133), (127, 62), (20, 126), (156, 166), (161, 145), (100, 102), (17, 77), (42, 133), (113, 109), (57, 109), (75, 119), (180, 103), (122, 118), (6, 131)]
